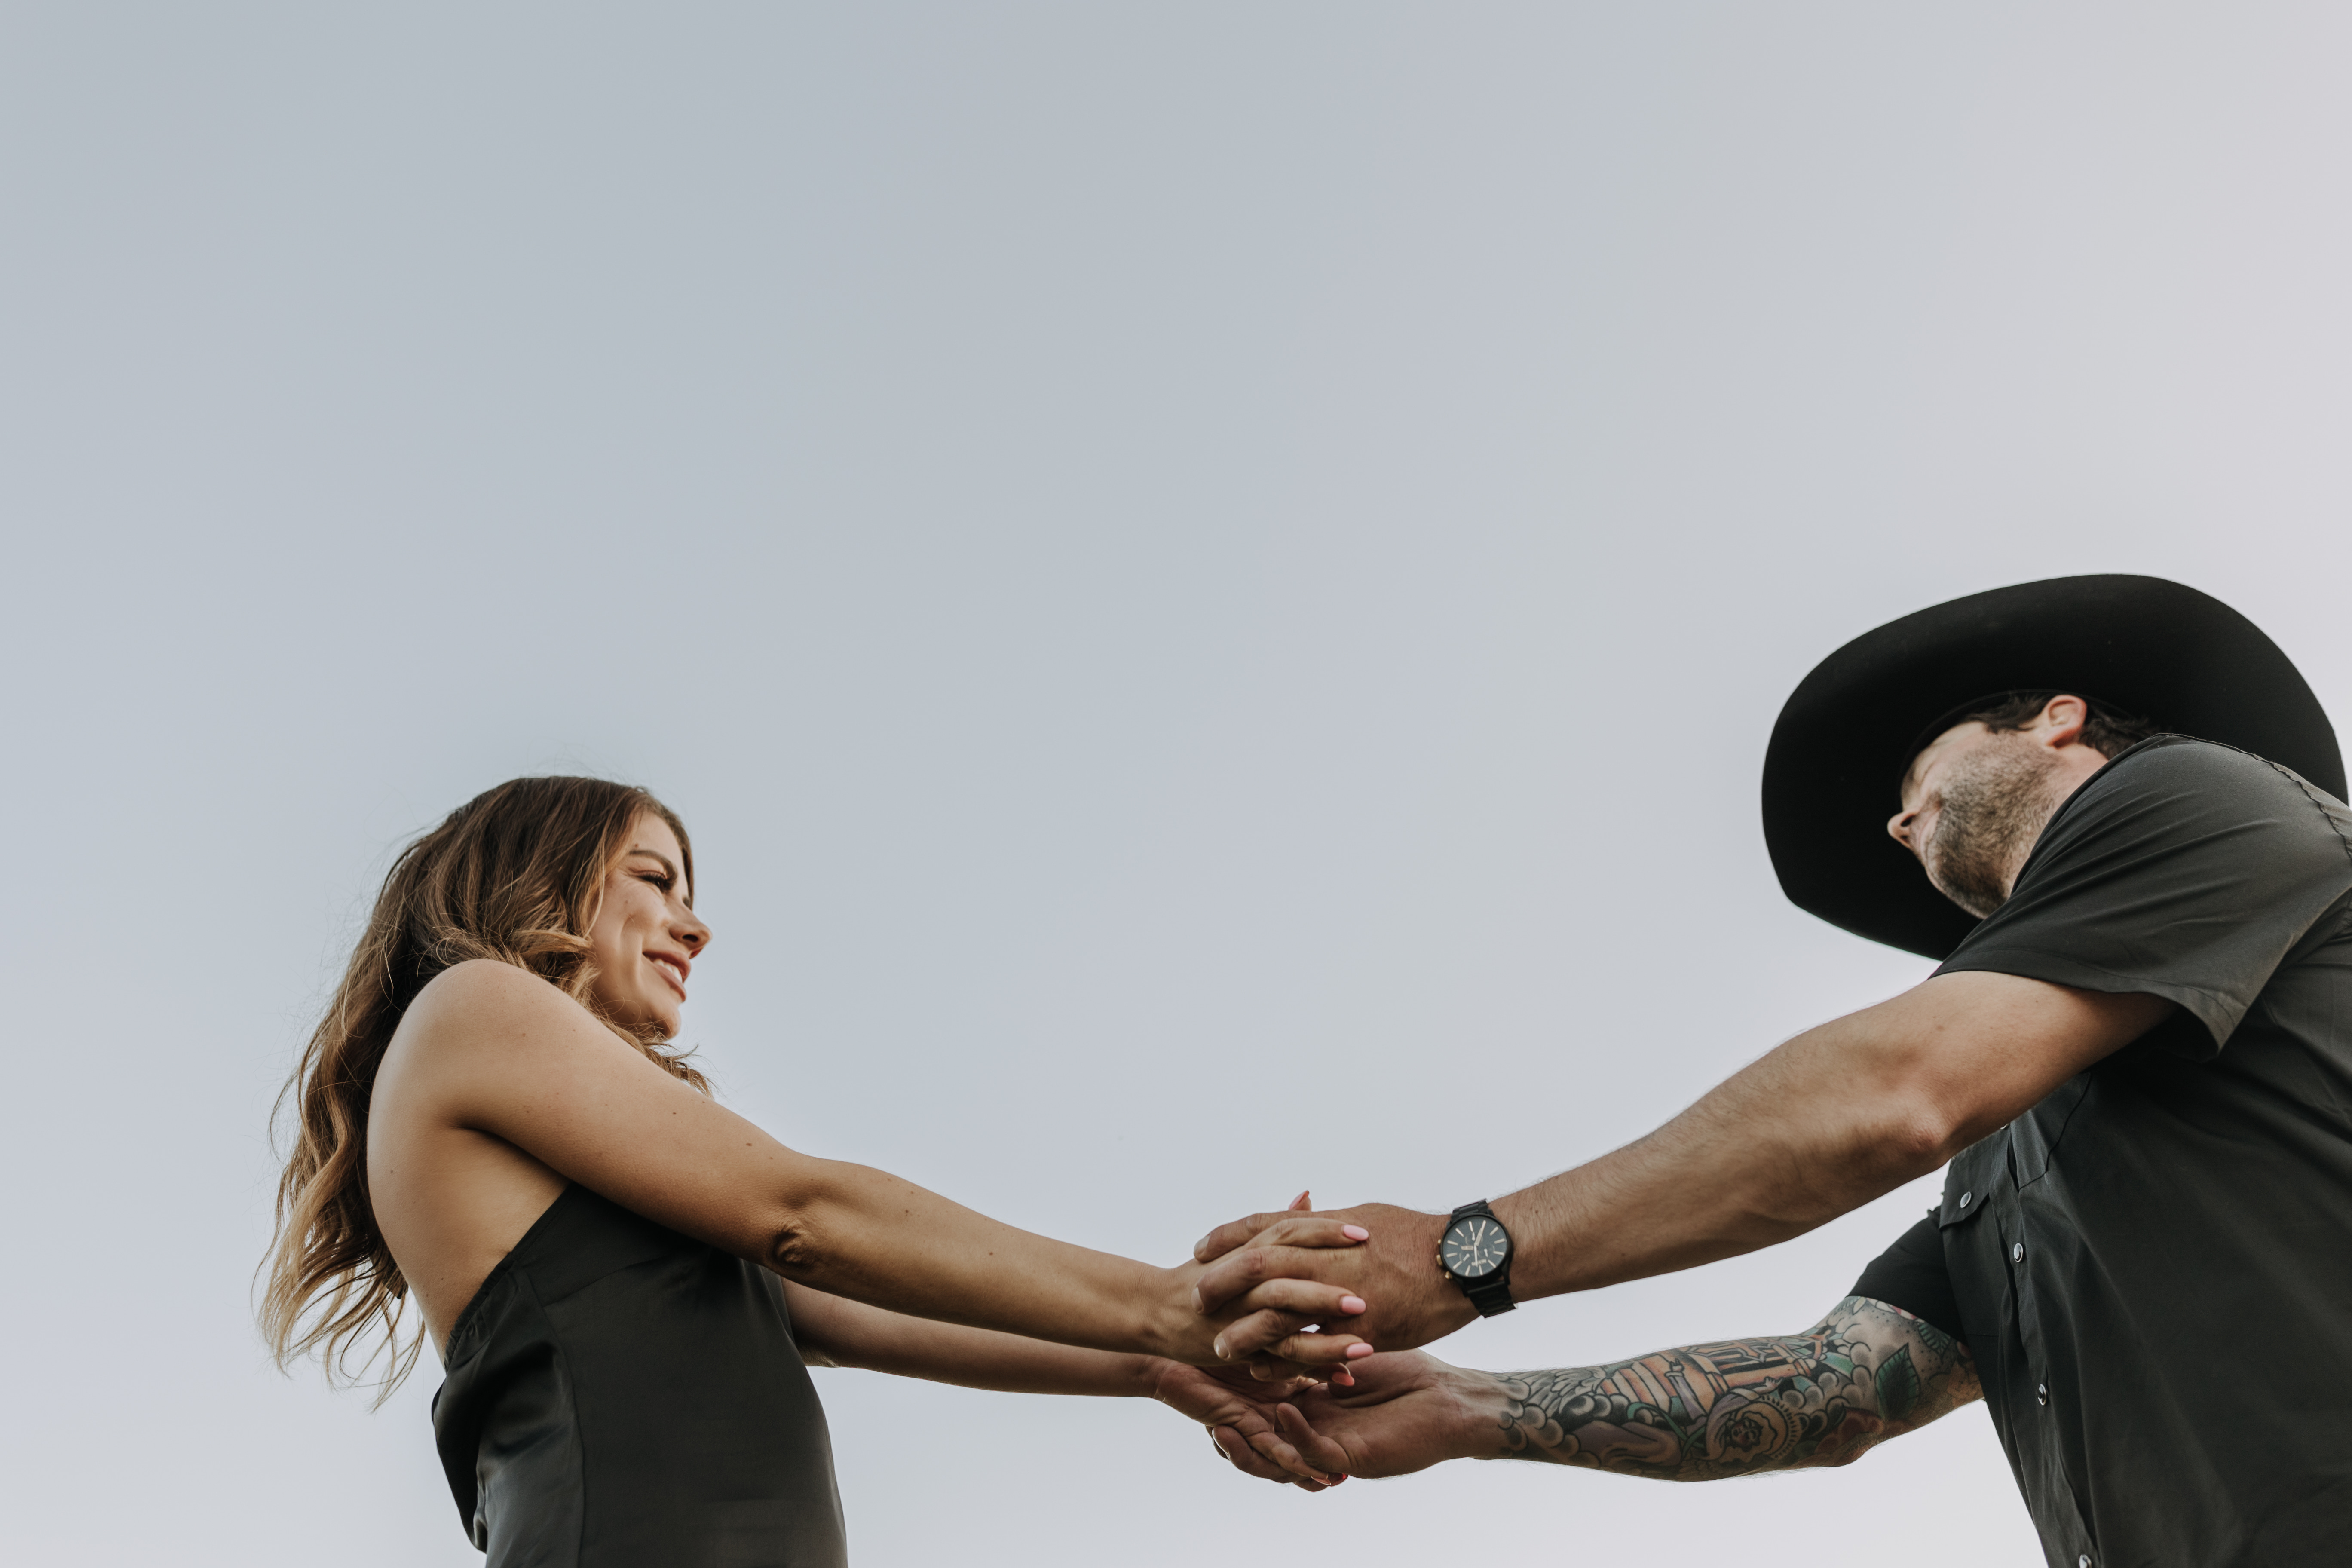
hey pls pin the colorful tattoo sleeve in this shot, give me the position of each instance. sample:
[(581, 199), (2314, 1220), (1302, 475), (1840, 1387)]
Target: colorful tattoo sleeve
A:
[(1866, 1372)]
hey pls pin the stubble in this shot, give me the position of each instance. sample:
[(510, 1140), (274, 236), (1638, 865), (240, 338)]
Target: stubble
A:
[(1994, 805)]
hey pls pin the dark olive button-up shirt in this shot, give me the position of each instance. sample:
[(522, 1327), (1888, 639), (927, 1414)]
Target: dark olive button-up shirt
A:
[(2153, 1266)]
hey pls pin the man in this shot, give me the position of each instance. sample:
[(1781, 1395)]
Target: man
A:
[(2136, 1058)]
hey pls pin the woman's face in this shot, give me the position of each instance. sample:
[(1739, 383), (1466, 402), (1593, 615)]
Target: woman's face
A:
[(646, 939)]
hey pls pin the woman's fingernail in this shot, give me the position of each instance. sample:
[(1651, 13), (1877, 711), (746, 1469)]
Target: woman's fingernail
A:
[(1359, 1351), (1355, 1233), (1219, 1346), (1351, 1305), (1344, 1379)]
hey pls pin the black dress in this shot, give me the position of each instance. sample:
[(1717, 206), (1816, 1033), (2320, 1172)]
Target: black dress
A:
[(620, 1396)]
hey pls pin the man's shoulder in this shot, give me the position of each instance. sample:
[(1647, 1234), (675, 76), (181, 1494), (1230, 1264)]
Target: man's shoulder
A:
[(2185, 763), (2178, 789)]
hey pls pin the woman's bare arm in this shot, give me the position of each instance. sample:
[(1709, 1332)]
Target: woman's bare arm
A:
[(488, 1048), (834, 1331)]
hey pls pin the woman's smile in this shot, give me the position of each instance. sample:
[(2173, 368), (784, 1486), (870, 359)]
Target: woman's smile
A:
[(674, 969)]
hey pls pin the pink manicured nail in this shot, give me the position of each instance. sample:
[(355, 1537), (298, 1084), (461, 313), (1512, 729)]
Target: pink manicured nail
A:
[(1351, 1304), (1359, 1351), (1355, 1233), (1344, 1379)]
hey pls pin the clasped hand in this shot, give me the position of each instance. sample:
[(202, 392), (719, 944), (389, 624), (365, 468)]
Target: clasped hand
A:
[(1265, 1290), (1266, 1282)]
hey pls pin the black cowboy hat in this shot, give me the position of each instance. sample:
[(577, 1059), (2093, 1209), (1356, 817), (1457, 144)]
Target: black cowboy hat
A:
[(2139, 645)]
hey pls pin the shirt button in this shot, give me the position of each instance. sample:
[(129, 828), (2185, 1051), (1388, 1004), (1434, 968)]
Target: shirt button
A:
[(1965, 1197), (2017, 1252), (2042, 1394)]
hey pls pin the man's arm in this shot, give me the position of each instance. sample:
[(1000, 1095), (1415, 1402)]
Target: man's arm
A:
[(1866, 1372), (1836, 1117)]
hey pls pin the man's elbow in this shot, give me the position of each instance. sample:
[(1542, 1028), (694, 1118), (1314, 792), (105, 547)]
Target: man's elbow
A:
[(1919, 1133)]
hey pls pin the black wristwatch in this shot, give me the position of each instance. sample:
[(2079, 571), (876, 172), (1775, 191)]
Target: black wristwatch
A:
[(1475, 1254)]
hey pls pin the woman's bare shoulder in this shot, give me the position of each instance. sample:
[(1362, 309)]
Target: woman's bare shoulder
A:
[(483, 992), (475, 1016)]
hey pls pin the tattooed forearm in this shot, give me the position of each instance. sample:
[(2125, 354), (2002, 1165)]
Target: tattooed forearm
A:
[(1866, 1372)]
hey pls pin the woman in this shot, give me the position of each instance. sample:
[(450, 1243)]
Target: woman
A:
[(624, 1278)]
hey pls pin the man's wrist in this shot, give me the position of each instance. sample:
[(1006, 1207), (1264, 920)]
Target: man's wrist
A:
[(1530, 1250), (1482, 1414)]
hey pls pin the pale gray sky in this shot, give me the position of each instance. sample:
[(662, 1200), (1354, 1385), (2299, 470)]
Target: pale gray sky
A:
[(1211, 582)]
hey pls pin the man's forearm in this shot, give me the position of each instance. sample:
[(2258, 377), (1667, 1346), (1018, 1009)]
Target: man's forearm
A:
[(1840, 1115), (1700, 1413), (1836, 1117)]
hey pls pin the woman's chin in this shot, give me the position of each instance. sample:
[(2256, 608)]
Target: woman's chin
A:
[(643, 1018)]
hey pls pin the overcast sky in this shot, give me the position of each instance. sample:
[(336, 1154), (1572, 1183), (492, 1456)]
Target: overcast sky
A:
[(1210, 581)]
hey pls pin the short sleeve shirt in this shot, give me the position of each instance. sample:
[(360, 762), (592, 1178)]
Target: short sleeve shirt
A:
[(2153, 1266)]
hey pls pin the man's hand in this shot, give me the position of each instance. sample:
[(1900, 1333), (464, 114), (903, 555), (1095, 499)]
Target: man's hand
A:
[(1407, 1411), (1396, 1271), (1241, 1412)]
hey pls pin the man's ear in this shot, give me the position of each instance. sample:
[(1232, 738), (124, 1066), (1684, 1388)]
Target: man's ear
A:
[(2061, 721)]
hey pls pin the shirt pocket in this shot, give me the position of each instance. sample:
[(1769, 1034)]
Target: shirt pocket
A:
[(1977, 1181), (1968, 1181)]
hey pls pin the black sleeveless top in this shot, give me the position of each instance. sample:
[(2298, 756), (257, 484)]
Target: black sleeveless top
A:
[(622, 1396)]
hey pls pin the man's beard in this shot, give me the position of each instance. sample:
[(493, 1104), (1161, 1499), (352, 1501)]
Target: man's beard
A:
[(1994, 805)]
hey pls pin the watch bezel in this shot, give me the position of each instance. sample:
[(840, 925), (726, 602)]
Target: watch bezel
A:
[(1502, 1264)]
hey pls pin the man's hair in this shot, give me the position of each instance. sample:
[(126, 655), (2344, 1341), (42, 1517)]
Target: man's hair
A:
[(2105, 730), (2109, 732)]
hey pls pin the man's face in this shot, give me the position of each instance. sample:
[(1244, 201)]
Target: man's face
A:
[(1974, 802)]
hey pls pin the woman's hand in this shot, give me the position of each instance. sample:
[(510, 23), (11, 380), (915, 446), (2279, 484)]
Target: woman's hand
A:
[(1241, 1413), (1289, 1328), (1406, 1412)]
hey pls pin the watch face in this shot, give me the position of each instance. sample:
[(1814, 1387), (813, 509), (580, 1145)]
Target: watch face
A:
[(1474, 1247)]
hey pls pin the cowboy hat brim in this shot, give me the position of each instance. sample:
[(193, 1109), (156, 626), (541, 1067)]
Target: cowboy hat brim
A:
[(2148, 648)]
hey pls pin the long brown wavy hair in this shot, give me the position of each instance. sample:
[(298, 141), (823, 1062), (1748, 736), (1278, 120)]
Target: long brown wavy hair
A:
[(517, 874)]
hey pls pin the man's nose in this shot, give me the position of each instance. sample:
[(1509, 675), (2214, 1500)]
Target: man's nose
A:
[(1898, 827)]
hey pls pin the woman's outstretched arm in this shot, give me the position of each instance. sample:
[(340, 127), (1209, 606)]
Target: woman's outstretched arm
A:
[(832, 1331), (491, 1051)]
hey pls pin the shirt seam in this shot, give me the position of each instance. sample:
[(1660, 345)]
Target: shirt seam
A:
[(2134, 984), (2325, 816)]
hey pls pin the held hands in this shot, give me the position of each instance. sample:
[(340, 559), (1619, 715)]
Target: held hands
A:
[(1241, 1413), (1410, 1300), (1286, 1323), (1405, 1411), (1265, 1285)]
